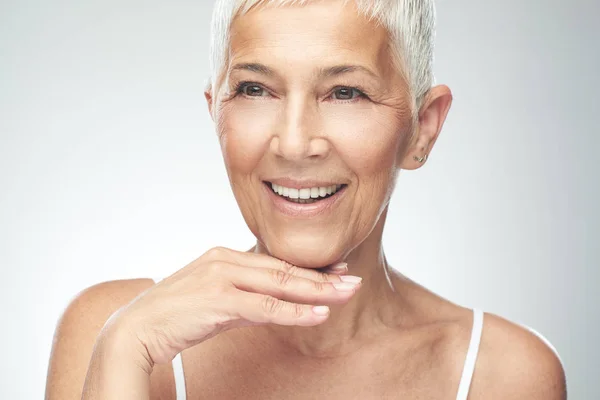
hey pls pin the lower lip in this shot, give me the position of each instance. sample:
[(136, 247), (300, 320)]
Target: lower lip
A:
[(300, 210)]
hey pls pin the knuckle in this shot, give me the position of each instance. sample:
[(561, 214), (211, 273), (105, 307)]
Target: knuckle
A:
[(281, 278), (324, 277), (297, 310), (271, 305), (216, 253), (287, 267), (319, 286)]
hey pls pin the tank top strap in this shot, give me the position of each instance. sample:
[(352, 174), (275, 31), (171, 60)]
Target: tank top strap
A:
[(471, 358), (179, 376)]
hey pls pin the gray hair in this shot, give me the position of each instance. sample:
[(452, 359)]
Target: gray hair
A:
[(410, 23)]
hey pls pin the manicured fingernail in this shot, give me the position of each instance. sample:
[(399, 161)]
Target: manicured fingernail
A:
[(351, 278), (321, 310), (341, 266), (344, 286)]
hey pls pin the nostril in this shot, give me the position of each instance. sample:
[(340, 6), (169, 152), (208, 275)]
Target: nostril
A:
[(300, 146)]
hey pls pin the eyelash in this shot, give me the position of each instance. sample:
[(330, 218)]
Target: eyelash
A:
[(361, 94)]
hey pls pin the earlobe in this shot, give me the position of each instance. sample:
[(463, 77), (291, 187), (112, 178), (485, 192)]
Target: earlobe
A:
[(431, 119), (420, 159)]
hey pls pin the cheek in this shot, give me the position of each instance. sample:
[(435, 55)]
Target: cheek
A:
[(367, 138), (244, 131)]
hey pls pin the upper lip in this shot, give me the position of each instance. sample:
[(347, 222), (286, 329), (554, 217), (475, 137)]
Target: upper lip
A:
[(302, 184)]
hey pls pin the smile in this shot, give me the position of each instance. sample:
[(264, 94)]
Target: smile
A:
[(305, 202), (305, 195)]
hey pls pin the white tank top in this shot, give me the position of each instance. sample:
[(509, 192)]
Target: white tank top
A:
[(465, 379)]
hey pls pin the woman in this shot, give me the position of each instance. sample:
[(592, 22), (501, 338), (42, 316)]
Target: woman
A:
[(318, 105)]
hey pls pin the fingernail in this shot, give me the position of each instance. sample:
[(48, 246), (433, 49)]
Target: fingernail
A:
[(321, 310), (351, 278), (344, 286), (341, 266)]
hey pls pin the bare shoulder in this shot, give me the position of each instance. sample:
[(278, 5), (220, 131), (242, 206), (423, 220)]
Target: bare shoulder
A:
[(77, 329), (515, 362)]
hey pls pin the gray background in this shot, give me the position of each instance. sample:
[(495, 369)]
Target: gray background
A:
[(109, 167)]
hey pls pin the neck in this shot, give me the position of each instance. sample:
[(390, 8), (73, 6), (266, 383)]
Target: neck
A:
[(369, 313)]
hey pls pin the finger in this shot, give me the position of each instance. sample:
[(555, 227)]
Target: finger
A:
[(340, 268), (285, 286), (262, 309), (325, 274), (265, 261)]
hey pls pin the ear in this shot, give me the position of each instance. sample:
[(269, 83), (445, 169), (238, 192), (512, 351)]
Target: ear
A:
[(209, 99), (431, 119)]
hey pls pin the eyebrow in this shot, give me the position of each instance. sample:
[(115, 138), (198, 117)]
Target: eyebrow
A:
[(323, 72)]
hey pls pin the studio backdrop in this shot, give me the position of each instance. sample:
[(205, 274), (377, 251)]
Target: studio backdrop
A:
[(110, 167)]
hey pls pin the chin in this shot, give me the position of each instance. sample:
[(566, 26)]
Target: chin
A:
[(307, 251)]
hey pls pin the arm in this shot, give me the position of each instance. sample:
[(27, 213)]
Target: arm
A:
[(118, 368), (221, 290), (540, 374), (77, 332), (517, 363)]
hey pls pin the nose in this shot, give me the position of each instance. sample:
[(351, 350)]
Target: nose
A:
[(298, 136)]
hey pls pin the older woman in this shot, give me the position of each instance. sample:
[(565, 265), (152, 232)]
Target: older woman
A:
[(317, 105)]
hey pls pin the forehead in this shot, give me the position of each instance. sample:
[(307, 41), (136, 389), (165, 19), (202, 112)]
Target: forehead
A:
[(311, 35)]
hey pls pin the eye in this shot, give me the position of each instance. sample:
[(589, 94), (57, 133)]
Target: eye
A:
[(347, 93), (250, 89)]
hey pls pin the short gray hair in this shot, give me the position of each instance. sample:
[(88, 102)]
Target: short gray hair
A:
[(410, 23)]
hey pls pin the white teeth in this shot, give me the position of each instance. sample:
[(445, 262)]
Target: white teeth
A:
[(305, 193)]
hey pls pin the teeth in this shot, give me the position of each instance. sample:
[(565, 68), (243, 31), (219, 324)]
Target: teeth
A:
[(305, 193)]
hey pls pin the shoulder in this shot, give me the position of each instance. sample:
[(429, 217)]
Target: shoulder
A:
[(77, 329), (89, 309), (515, 362)]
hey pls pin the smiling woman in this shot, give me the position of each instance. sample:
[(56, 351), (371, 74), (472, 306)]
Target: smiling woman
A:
[(317, 106)]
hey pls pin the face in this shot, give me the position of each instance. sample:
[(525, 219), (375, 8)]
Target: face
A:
[(311, 105)]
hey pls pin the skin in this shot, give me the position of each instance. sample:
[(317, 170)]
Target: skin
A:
[(394, 338), (309, 128)]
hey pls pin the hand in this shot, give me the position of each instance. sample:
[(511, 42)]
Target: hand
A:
[(225, 289)]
